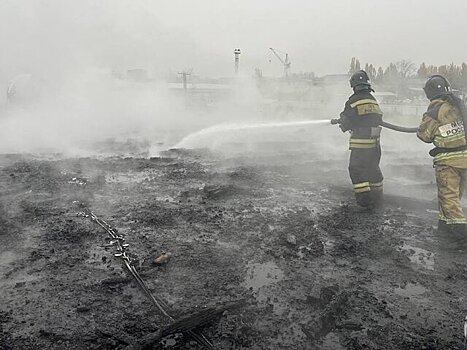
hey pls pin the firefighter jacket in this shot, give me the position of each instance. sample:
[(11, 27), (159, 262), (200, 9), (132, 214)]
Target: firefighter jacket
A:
[(443, 126), (362, 116)]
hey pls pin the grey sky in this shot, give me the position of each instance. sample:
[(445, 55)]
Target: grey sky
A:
[(320, 36)]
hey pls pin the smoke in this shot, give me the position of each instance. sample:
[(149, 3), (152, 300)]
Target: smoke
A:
[(73, 50), (59, 38), (64, 57)]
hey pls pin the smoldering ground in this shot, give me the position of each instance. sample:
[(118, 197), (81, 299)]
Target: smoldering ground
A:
[(277, 230)]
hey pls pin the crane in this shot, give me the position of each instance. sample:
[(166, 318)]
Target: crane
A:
[(285, 62)]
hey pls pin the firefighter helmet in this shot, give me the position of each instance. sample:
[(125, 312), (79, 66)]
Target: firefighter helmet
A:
[(359, 79), (437, 86)]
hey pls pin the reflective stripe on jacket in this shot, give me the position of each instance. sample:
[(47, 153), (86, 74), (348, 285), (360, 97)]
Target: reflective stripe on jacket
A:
[(363, 143), (443, 126), (363, 116)]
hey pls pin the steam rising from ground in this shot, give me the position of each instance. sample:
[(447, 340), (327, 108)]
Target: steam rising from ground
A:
[(87, 110), (72, 116)]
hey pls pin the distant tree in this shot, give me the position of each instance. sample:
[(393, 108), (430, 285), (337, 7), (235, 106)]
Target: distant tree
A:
[(455, 73), (395, 76), (357, 65), (432, 70), (391, 72), (379, 75), (352, 66), (443, 70), (405, 68), (422, 71), (371, 72)]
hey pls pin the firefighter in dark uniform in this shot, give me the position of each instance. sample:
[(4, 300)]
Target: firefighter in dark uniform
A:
[(362, 116), (443, 125)]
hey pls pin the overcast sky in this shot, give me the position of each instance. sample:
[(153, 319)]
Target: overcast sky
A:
[(320, 36)]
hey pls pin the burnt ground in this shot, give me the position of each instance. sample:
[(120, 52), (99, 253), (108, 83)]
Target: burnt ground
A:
[(280, 233)]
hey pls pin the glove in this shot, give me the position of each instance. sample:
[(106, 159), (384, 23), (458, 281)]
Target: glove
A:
[(344, 123)]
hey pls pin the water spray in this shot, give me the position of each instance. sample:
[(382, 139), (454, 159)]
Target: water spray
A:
[(191, 140)]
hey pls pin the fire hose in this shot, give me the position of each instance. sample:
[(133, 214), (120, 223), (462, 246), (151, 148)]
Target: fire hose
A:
[(119, 242), (387, 126)]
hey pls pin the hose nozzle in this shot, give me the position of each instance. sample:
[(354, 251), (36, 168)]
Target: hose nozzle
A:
[(335, 121)]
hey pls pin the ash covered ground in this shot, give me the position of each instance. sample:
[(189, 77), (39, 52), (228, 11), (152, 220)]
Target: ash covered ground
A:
[(279, 231)]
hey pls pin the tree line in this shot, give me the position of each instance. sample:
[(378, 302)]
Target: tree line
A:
[(405, 69)]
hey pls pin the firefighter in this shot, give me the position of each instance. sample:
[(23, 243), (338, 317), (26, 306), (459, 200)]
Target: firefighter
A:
[(443, 125), (362, 117)]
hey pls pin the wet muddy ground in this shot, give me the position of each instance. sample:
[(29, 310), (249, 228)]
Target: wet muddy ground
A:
[(279, 232)]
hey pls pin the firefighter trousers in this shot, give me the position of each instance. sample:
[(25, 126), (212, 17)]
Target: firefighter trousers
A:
[(451, 183), (366, 175)]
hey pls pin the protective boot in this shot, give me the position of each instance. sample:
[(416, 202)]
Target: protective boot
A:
[(369, 202), (364, 200), (459, 234), (452, 237), (377, 198), (443, 228)]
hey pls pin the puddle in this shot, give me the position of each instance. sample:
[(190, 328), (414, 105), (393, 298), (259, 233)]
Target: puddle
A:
[(228, 245), (419, 256), (412, 291), (332, 342), (262, 275), (6, 258), (167, 199), (260, 279), (130, 177)]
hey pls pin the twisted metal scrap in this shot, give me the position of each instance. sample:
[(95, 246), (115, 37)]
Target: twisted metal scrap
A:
[(119, 242)]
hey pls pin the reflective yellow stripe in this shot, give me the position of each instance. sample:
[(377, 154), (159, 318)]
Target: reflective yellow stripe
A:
[(452, 155), (362, 187), (363, 143), (352, 146), (361, 190), (452, 137), (361, 184), (369, 108), (452, 221), (352, 140), (363, 102), (376, 184), (441, 141)]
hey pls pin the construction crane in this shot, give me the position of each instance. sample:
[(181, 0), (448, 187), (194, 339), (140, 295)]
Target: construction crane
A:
[(285, 62)]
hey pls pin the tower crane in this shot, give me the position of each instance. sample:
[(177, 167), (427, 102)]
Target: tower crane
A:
[(285, 62)]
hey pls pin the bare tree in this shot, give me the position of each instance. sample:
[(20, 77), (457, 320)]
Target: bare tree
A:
[(405, 68)]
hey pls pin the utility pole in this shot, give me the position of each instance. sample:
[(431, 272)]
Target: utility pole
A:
[(237, 59), (184, 79), (185, 75)]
